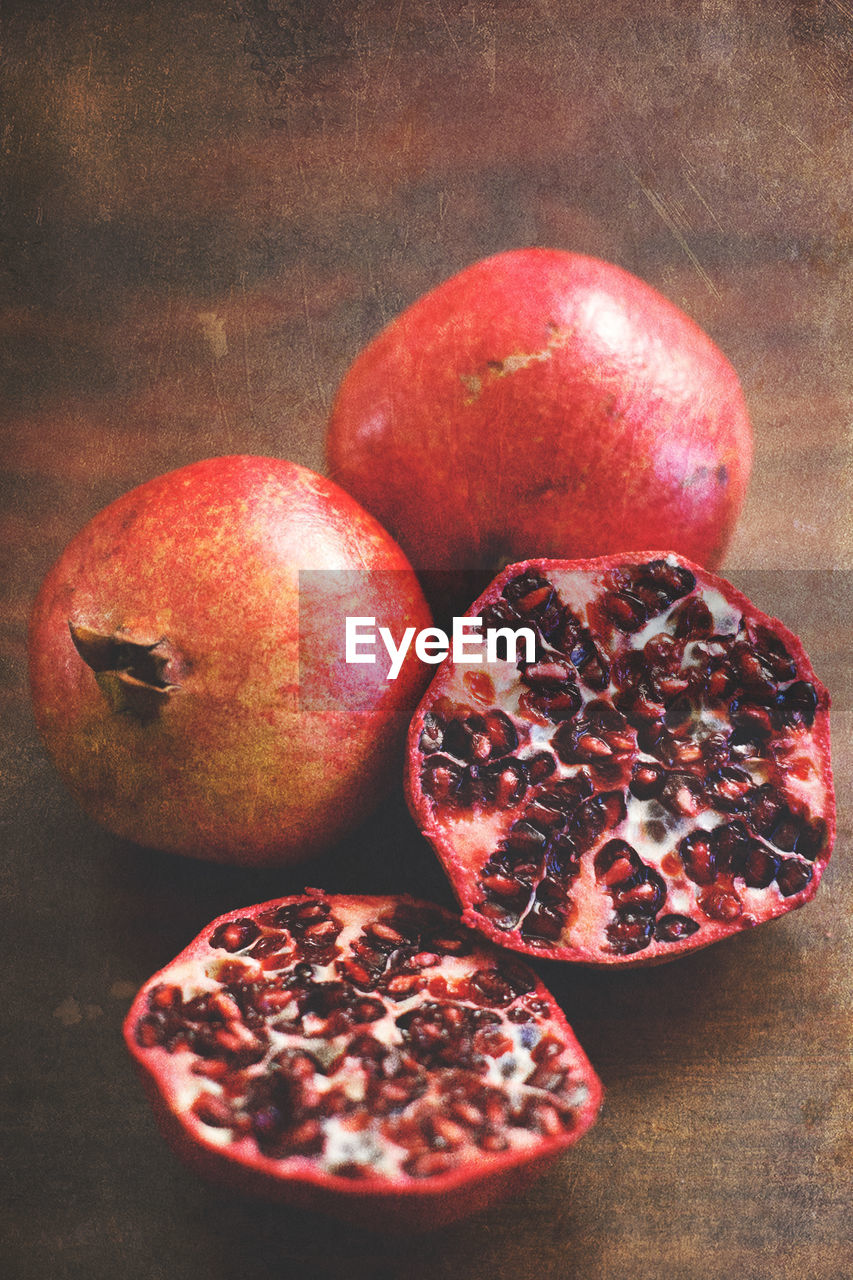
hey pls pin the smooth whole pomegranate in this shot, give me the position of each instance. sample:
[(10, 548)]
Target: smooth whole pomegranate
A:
[(366, 1057), (651, 775), (542, 403), (187, 662)]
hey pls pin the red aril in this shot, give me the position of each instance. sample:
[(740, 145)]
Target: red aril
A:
[(543, 403), (191, 686), (367, 1057), (653, 777)]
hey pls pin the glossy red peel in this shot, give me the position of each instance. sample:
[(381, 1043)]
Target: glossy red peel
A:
[(543, 403), (191, 688)]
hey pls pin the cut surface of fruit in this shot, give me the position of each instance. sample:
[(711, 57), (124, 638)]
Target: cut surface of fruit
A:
[(368, 1057), (656, 778)]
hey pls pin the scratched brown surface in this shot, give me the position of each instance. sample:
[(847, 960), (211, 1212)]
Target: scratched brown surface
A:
[(207, 208)]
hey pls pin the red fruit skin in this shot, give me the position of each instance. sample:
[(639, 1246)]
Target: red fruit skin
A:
[(232, 766), (369, 1202), (542, 403), (460, 873)]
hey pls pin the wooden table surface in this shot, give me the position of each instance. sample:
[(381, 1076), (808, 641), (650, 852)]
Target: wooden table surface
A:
[(208, 208)]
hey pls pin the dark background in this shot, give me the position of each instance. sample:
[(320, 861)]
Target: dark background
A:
[(207, 209)]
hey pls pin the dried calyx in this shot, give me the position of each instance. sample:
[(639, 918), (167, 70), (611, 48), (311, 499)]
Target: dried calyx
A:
[(131, 674), (337, 1051), (657, 778)]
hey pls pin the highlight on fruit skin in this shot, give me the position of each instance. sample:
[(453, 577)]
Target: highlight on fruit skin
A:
[(656, 778), (187, 662), (541, 403), (370, 1058)]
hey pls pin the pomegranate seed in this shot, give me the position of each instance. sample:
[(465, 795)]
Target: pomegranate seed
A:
[(211, 1069), (213, 1110), (493, 1142), (682, 754), (811, 840), (502, 886), (728, 787), (747, 666), (441, 779), (449, 1134), (798, 703), (357, 973), (592, 747), (502, 733), (467, 1113), (225, 1005), (546, 1049), (404, 984), (731, 843), (671, 581), (616, 862), (719, 684), (765, 804), (772, 652), (595, 815), (692, 619), (432, 734), (236, 1038), (630, 931), (546, 1119), (647, 893), (543, 921), (506, 783), (594, 670), (642, 708), (624, 610), (721, 904), (760, 866), (793, 876), (165, 996), (540, 766), (381, 932), (682, 795), (673, 928), (149, 1032), (647, 780), (525, 837), (480, 686), (235, 935), (785, 830), (427, 1164), (548, 674), (750, 719), (697, 856), (663, 652), (545, 813)]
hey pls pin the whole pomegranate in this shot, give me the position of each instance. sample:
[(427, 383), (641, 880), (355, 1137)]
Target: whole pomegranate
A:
[(369, 1057), (644, 769), (542, 403), (187, 662)]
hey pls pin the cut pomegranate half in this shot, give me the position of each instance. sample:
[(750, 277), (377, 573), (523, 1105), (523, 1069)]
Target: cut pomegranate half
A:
[(653, 777), (367, 1057)]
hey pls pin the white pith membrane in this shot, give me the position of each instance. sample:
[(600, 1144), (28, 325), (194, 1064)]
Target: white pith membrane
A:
[(471, 829), (522, 1082)]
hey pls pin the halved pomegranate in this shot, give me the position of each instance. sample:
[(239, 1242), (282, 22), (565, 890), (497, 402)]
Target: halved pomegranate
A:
[(368, 1057), (654, 776)]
